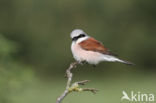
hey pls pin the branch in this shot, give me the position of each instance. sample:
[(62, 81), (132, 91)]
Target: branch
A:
[(74, 86)]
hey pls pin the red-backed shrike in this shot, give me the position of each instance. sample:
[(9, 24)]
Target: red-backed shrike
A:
[(88, 49)]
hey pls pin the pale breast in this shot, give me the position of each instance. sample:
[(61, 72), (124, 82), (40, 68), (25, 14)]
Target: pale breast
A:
[(84, 55)]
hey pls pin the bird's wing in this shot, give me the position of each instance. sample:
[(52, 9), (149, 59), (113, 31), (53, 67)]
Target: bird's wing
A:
[(91, 44)]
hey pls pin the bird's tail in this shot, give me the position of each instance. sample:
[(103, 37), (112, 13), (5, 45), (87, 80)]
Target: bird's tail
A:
[(116, 59), (126, 62)]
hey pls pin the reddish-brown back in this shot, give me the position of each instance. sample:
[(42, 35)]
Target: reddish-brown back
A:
[(93, 45)]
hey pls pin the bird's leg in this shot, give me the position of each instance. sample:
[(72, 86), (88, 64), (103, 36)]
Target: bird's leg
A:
[(83, 62)]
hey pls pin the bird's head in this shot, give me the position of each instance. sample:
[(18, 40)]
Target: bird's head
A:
[(77, 34)]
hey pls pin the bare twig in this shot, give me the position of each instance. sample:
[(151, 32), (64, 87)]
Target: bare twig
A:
[(69, 76), (74, 86), (93, 90), (83, 82)]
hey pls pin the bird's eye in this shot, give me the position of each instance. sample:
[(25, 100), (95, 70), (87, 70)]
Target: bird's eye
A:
[(77, 37), (82, 35)]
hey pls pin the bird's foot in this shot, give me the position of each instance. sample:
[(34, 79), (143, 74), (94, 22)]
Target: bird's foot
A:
[(83, 62)]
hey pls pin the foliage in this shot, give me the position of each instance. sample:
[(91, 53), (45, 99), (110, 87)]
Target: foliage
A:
[(14, 75)]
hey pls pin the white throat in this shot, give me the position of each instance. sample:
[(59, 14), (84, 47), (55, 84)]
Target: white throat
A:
[(82, 39)]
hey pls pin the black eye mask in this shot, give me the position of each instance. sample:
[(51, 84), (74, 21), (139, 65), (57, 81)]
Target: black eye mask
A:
[(77, 37)]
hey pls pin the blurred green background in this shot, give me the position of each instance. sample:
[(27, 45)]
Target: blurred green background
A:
[(35, 48)]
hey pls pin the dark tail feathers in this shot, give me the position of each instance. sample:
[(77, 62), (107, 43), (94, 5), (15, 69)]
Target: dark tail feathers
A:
[(127, 62)]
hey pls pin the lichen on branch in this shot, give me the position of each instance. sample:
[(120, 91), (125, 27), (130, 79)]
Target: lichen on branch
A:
[(74, 86)]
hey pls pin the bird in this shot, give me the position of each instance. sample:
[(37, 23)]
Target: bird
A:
[(87, 49)]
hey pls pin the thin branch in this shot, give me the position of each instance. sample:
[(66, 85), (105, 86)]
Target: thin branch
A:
[(74, 86), (83, 82), (69, 76), (93, 90)]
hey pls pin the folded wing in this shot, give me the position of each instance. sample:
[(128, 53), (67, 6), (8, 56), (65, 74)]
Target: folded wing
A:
[(93, 45)]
